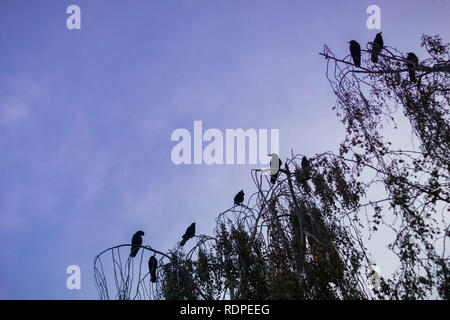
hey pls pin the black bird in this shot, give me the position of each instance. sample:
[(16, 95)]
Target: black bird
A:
[(377, 46), (412, 62), (274, 170), (190, 233), (355, 51), (239, 198), (136, 242), (306, 166), (152, 265)]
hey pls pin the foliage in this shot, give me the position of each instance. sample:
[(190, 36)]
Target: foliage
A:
[(416, 181)]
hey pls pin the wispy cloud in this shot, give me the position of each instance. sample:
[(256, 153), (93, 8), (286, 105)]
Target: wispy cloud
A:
[(13, 110), (17, 100)]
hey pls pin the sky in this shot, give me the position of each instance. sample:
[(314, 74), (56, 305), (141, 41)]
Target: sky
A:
[(86, 116)]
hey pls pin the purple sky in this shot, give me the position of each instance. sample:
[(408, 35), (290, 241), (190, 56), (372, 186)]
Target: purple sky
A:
[(86, 115)]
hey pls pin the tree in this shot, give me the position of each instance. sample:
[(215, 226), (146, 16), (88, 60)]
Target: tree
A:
[(416, 181), (303, 236), (291, 244)]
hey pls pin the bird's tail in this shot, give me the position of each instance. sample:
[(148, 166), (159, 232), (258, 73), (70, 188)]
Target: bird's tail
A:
[(273, 179), (133, 252), (374, 57), (412, 76), (153, 264), (153, 276)]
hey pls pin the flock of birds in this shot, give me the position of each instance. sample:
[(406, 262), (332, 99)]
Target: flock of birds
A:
[(355, 50), (136, 241)]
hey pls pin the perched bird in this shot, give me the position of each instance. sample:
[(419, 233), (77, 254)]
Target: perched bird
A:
[(190, 233), (239, 198), (306, 167), (412, 62), (377, 46), (274, 169), (355, 51), (152, 265), (136, 242), (305, 163)]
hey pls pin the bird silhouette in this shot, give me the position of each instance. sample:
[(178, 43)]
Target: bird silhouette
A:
[(136, 242), (239, 197), (190, 233), (274, 169), (152, 266), (355, 51), (306, 167), (377, 46), (412, 62)]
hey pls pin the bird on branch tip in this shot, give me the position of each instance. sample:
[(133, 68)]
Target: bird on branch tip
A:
[(412, 62), (136, 242), (355, 51), (306, 167), (190, 233), (239, 197), (377, 46), (274, 168)]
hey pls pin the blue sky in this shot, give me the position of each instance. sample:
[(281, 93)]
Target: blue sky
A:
[(86, 115)]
